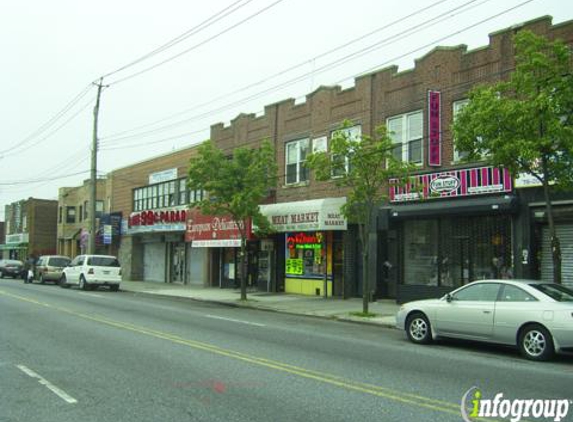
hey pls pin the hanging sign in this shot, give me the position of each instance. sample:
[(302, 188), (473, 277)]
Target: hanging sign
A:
[(434, 129)]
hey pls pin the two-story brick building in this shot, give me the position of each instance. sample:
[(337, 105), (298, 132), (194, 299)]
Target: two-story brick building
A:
[(30, 228), (74, 219), (153, 199), (469, 222)]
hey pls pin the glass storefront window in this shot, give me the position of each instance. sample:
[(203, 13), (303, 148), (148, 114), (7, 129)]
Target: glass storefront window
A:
[(305, 254), (456, 250), (421, 252)]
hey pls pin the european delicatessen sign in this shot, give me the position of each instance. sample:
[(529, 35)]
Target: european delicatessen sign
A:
[(209, 231)]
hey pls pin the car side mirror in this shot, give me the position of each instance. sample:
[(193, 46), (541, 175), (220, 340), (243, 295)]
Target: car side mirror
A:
[(449, 298)]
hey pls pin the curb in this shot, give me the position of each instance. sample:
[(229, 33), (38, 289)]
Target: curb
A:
[(341, 318)]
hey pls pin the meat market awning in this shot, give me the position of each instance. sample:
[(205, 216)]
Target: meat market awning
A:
[(311, 215)]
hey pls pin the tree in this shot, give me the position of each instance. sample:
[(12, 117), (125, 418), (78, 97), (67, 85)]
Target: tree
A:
[(526, 123), (234, 186), (364, 165)]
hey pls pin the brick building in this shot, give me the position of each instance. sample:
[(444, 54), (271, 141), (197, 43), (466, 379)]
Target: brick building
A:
[(153, 199), (472, 221), (74, 221), (425, 246), (30, 228)]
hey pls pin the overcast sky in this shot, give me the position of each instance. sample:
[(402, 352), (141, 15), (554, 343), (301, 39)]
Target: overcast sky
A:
[(211, 61)]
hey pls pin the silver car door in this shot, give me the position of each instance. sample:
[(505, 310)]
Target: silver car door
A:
[(469, 313)]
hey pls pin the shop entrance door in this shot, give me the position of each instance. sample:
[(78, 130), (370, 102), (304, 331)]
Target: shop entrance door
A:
[(178, 263)]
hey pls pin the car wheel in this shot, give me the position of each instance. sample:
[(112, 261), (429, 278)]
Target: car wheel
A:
[(64, 282), (418, 328), (83, 284), (535, 343), (114, 287)]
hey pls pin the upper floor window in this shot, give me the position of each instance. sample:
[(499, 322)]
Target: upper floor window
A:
[(70, 215), (295, 157), (406, 132), (163, 195), (352, 133), (457, 107)]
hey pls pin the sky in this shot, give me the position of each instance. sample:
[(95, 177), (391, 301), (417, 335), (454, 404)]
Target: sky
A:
[(171, 69)]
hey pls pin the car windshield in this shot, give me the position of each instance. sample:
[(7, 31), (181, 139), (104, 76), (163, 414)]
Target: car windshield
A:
[(59, 262), (13, 263), (555, 291), (103, 261)]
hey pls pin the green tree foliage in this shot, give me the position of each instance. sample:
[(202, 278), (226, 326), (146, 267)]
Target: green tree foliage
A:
[(526, 124), (363, 165), (234, 186)]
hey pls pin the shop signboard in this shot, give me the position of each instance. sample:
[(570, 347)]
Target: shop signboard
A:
[(311, 215), (17, 238), (204, 231), (453, 183), (164, 220), (163, 176), (434, 129)]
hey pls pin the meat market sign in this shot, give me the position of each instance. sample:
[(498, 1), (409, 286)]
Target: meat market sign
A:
[(312, 215)]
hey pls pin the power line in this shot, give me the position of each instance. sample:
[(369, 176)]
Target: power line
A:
[(327, 67), (49, 123), (217, 35), (33, 181), (280, 73), (17, 151), (180, 38)]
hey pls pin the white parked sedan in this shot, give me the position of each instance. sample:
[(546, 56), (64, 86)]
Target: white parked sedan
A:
[(535, 316), (92, 271)]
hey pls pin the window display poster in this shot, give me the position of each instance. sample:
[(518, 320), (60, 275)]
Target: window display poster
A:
[(305, 254)]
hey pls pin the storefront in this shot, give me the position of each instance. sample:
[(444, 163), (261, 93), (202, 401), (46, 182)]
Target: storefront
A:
[(219, 240), (160, 243), (535, 252), (456, 227), (309, 237), (16, 246)]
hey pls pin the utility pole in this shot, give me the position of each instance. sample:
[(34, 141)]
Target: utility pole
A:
[(93, 184)]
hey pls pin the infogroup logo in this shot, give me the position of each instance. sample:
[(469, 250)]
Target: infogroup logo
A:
[(474, 407)]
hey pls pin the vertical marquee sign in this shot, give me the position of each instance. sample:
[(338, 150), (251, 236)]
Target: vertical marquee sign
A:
[(434, 129)]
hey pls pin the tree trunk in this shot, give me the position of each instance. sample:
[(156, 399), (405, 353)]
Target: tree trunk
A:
[(555, 244), (243, 268), (365, 279)]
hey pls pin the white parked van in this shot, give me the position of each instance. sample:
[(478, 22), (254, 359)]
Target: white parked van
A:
[(91, 271)]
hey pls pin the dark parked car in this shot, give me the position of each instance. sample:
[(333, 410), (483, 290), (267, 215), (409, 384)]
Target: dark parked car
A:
[(11, 268)]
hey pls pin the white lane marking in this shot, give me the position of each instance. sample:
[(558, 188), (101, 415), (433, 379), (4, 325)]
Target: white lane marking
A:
[(256, 324), (58, 391)]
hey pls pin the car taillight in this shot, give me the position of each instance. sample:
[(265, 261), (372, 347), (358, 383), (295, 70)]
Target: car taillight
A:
[(91, 271)]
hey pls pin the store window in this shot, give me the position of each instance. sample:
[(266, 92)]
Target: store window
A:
[(452, 251), (406, 132), (305, 254)]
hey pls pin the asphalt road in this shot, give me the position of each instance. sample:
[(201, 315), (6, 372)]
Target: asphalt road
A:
[(69, 355)]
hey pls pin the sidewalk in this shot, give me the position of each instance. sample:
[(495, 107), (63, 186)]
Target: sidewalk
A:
[(332, 308)]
